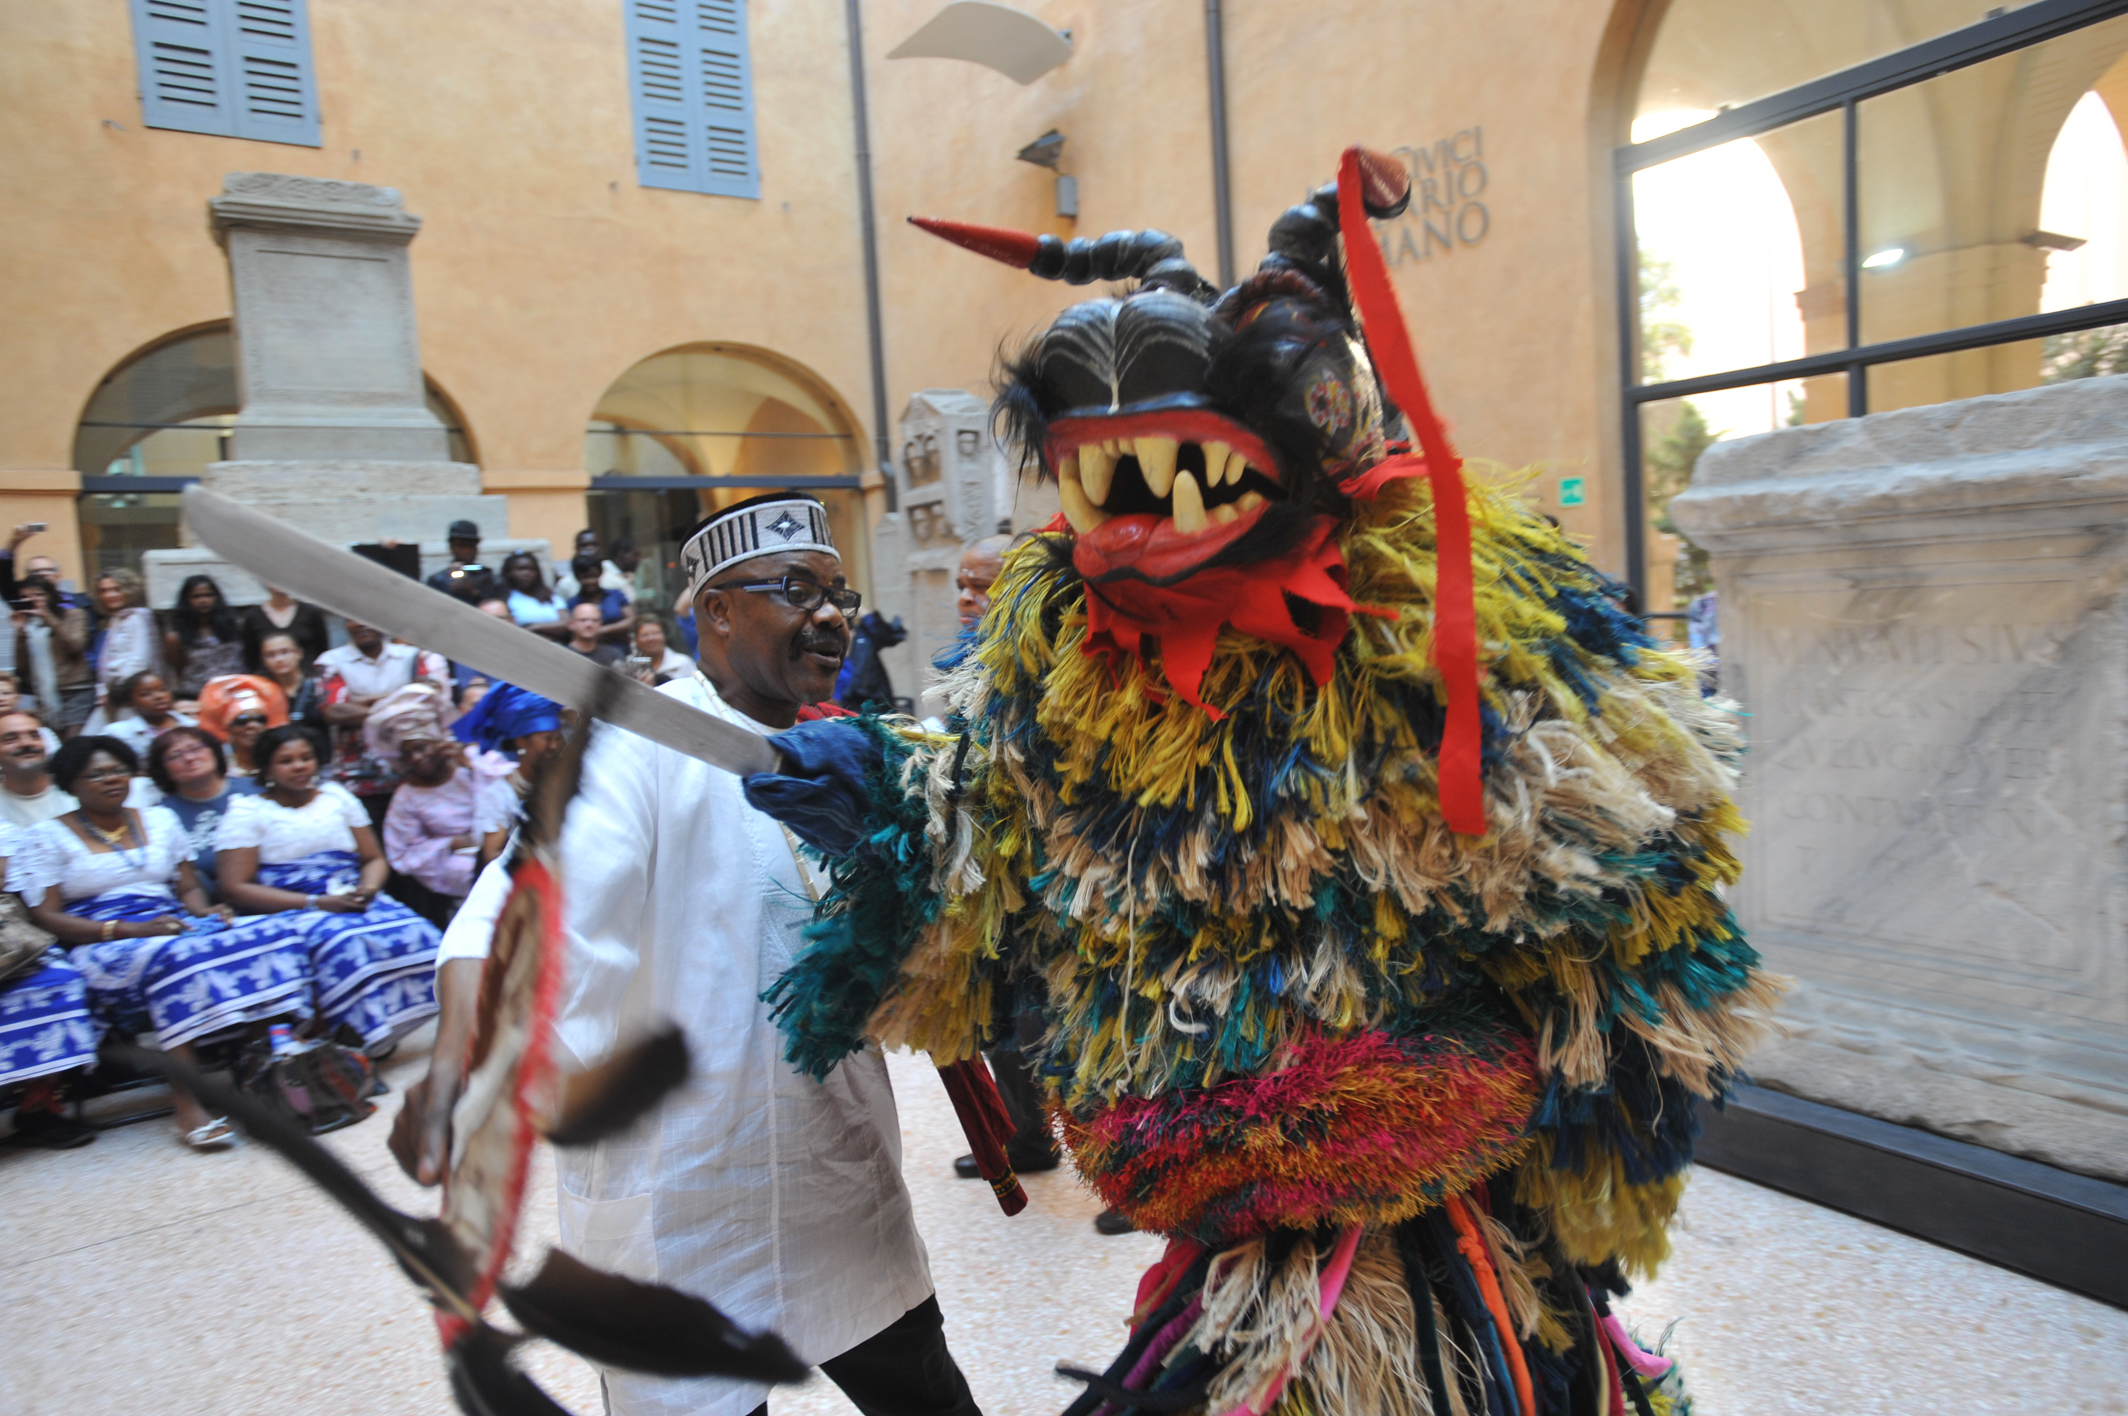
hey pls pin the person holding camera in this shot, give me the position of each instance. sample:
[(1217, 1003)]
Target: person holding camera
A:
[(465, 578)]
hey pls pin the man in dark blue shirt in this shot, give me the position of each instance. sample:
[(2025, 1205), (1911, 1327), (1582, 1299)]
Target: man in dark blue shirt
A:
[(465, 578)]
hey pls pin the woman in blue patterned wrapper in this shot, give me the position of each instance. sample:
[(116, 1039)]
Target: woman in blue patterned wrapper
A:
[(116, 885), (304, 850), (46, 1033)]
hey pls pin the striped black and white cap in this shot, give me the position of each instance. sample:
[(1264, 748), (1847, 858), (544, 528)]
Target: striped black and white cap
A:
[(759, 526)]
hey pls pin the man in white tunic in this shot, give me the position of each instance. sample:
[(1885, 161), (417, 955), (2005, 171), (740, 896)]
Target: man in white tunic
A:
[(777, 1198)]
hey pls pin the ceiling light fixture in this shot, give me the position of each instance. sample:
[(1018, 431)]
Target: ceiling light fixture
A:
[(1889, 256)]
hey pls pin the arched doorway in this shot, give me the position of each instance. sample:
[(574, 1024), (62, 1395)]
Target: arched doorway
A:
[(153, 424), (1835, 207), (702, 426)]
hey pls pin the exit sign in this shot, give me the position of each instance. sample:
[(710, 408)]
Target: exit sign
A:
[(1573, 491)]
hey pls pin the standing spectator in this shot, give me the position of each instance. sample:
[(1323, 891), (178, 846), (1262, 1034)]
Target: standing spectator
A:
[(584, 625), (205, 640), (27, 795), (52, 643), (306, 845), (237, 708), (188, 765), (532, 604), (11, 702), (147, 695), (616, 611), (127, 641), (282, 659), (432, 831), (31, 567), (356, 676), (610, 576), (465, 578), (283, 613), (666, 662)]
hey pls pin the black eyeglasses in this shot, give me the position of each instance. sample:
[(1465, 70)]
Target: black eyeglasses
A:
[(801, 594), (247, 721)]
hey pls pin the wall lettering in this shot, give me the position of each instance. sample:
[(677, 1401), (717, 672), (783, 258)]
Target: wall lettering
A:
[(1448, 181)]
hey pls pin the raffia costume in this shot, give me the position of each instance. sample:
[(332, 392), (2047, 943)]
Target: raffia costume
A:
[(1366, 856)]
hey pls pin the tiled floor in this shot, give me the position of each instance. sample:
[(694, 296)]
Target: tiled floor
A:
[(138, 1279)]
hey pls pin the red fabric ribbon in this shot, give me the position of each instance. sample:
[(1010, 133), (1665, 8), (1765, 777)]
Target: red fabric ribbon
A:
[(1455, 619)]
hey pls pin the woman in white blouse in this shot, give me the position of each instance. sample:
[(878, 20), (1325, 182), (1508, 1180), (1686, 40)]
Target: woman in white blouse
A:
[(115, 884), (303, 850)]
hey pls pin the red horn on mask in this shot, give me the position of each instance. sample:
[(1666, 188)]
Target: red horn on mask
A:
[(1001, 243)]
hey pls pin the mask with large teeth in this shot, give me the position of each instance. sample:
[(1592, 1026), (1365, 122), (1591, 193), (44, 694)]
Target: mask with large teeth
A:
[(1191, 432)]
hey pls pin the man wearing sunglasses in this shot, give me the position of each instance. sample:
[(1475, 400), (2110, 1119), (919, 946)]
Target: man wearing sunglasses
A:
[(776, 1197)]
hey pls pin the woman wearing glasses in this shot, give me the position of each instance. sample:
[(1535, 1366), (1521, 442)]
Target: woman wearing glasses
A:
[(190, 768), (115, 885)]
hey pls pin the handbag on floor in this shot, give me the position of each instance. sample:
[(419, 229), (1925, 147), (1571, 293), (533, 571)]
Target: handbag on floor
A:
[(320, 1084)]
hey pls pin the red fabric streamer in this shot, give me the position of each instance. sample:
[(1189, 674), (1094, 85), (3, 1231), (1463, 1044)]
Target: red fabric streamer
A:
[(1455, 625), (986, 1125)]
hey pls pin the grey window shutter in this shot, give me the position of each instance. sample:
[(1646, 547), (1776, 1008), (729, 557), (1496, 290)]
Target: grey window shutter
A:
[(277, 96), (693, 94), (234, 68), (183, 56)]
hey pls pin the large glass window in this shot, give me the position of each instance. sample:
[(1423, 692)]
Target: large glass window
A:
[(1833, 208)]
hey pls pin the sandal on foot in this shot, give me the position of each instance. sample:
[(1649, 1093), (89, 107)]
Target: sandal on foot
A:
[(216, 1135)]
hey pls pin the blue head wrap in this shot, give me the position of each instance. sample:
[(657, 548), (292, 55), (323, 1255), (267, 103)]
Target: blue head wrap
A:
[(505, 712)]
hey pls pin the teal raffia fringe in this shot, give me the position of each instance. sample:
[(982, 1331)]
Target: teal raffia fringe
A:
[(880, 900)]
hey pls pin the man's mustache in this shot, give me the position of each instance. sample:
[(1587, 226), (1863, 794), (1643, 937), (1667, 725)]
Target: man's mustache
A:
[(833, 645)]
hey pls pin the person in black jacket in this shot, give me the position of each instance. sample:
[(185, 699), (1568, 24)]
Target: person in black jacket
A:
[(465, 578)]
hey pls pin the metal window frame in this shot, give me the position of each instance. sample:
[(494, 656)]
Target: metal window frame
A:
[(1841, 92)]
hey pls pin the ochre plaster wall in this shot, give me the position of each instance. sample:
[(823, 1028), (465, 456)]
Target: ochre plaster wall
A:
[(543, 271), (1517, 331)]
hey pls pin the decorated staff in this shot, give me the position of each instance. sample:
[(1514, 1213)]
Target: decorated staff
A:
[(1368, 854)]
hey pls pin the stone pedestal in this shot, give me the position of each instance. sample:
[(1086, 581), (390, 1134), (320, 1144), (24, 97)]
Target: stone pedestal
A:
[(328, 365), (335, 435), (1923, 614), (953, 486)]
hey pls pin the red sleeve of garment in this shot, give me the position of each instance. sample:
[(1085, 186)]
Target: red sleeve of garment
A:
[(814, 712)]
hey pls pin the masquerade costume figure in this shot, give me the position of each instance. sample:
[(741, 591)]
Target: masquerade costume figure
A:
[(1367, 854)]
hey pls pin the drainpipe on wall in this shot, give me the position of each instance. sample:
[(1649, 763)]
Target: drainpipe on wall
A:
[(871, 250), (1215, 55)]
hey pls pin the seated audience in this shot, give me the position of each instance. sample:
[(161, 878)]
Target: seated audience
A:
[(146, 697), (116, 883), (432, 831), (238, 707), (191, 769), (357, 676), (654, 644), (533, 603), (27, 795), (11, 702), (47, 1038), (524, 729), (616, 610), (305, 845), (205, 639), (584, 625), (52, 649), (283, 659)]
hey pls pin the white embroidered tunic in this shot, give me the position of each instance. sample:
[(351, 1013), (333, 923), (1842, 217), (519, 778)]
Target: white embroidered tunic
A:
[(777, 1198)]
